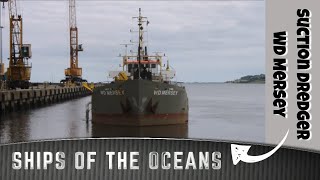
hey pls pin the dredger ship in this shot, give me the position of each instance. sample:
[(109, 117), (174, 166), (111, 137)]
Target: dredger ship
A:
[(143, 93)]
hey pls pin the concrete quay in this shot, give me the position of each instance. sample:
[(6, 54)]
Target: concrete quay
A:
[(12, 100)]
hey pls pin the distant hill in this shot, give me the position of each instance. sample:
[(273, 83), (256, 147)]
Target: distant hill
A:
[(250, 79)]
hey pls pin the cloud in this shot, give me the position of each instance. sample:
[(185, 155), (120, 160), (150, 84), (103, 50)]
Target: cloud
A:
[(205, 41)]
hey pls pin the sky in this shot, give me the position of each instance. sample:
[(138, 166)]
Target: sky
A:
[(206, 41)]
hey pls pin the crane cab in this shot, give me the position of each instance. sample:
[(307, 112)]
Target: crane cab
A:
[(80, 48)]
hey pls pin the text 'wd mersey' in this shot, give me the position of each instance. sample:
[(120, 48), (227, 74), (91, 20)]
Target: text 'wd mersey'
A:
[(280, 73)]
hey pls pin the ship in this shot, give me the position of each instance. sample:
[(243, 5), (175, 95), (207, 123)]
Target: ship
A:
[(143, 92)]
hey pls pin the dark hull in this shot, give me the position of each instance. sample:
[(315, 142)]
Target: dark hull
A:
[(169, 131), (140, 103)]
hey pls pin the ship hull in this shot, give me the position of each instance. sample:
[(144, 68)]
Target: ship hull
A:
[(167, 131), (140, 103)]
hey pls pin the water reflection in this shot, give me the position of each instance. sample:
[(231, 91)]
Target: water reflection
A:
[(172, 131), (217, 111), (16, 130)]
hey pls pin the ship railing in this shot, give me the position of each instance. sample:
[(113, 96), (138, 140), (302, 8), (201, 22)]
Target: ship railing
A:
[(143, 56), (180, 84), (177, 83), (104, 82)]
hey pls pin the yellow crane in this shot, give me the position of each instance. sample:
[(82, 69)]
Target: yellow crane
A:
[(19, 71), (1, 41), (73, 74)]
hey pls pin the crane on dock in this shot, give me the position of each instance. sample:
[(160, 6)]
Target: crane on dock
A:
[(2, 82), (19, 70), (1, 41), (73, 74)]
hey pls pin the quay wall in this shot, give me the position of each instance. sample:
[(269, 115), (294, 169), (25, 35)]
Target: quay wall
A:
[(12, 100)]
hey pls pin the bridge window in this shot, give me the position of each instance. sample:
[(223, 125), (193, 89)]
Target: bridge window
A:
[(130, 67)]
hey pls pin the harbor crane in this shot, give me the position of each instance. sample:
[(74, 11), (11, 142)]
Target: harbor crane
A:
[(19, 71), (73, 74), (1, 42)]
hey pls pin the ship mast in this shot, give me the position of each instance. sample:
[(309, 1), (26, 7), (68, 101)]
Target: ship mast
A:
[(140, 46)]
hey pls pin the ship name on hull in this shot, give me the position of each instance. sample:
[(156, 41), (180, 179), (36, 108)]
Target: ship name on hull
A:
[(165, 92), (109, 92)]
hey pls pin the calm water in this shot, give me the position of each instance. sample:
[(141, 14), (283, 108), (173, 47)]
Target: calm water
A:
[(217, 111)]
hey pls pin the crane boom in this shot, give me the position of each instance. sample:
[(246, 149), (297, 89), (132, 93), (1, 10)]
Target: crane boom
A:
[(73, 73), (72, 14), (1, 52), (15, 34), (73, 34)]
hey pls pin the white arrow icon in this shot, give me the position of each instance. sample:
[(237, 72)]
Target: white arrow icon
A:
[(240, 152)]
